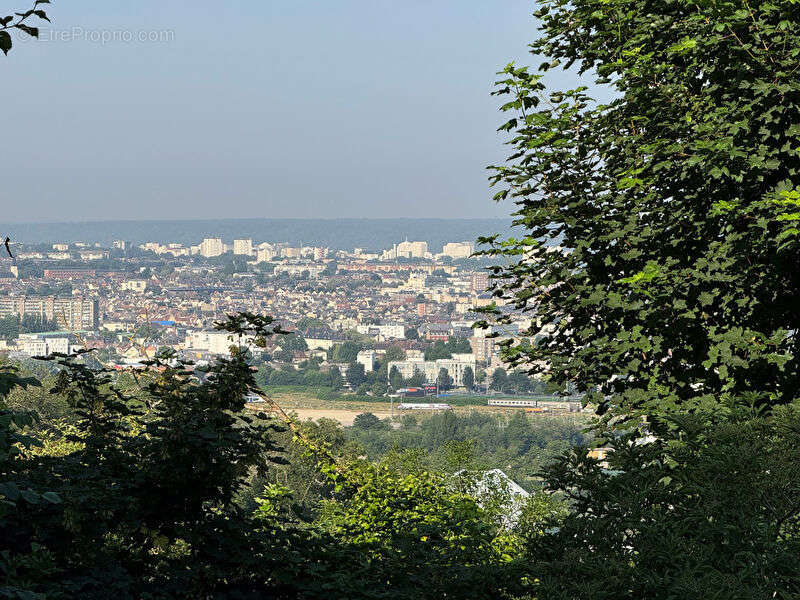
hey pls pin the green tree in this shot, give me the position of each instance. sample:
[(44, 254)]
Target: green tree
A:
[(677, 201), (336, 379), (164, 481), (443, 380), (330, 269), (368, 421), (437, 350), (355, 375), (346, 352), (416, 380), (395, 378), (469, 379), (394, 353), (519, 382), (307, 322), (658, 247), (9, 327), (293, 343), (499, 379), (670, 518), (317, 379)]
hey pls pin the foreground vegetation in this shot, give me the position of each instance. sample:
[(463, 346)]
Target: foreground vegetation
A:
[(671, 301), (157, 484)]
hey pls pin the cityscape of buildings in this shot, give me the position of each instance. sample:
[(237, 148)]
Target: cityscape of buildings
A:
[(129, 301)]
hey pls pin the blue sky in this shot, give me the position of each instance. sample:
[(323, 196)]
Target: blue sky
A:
[(297, 108)]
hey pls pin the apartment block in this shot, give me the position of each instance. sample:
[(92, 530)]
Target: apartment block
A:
[(70, 313), (212, 247), (244, 246)]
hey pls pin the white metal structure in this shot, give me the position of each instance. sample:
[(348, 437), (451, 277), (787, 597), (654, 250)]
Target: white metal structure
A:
[(421, 406)]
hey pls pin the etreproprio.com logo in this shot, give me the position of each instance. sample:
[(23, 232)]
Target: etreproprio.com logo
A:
[(100, 36)]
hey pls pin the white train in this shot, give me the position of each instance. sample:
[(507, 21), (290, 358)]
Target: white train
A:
[(515, 403), (421, 406)]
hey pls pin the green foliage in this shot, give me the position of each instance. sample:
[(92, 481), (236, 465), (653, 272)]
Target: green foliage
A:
[(469, 378), (368, 421), (674, 206), (443, 380), (499, 379), (445, 542), (21, 22), (145, 491), (159, 484), (519, 445), (416, 380), (440, 349), (395, 378), (9, 327), (706, 508), (308, 322), (289, 344), (393, 353), (355, 375), (346, 352), (12, 326)]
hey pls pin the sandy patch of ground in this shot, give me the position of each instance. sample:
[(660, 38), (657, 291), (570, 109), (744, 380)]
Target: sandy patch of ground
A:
[(345, 417)]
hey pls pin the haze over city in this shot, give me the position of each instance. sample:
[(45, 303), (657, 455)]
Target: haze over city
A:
[(177, 110)]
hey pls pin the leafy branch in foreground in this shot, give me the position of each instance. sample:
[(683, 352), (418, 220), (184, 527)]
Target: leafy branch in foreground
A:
[(10, 23)]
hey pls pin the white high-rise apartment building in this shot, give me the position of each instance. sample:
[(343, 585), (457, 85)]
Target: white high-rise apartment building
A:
[(212, 247), (412, 249), (243, 247), (458, 249)]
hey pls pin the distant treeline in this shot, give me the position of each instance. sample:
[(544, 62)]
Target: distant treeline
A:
[(338, 234)]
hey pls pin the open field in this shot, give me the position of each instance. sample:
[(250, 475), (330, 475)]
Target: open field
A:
[(307, 406), (345, 417)]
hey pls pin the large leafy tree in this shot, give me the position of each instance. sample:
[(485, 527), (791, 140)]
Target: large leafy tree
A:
[(660, 230), (707, 510), (659, 259)]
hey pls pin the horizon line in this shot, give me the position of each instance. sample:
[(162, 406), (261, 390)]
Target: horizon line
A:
[(223, 219)]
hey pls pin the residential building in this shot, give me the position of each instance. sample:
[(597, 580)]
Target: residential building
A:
[(35, 344), (216, 342), (134, 285), (211, 247), (383, 332), (430, 368), (291, 252), (479, 282), (265, 254), (368, 358), (408, 249), (243, 246), (458, 249), (71, 313)]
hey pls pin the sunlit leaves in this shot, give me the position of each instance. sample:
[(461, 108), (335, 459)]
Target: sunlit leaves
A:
[(673, 205)]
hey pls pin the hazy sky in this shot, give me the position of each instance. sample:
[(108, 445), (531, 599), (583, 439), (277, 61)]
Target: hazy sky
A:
[(296, 108)]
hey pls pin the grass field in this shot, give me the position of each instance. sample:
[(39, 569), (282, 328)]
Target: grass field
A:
[(307, 405)]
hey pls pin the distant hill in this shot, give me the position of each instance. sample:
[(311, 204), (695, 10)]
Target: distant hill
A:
[(338, 234)]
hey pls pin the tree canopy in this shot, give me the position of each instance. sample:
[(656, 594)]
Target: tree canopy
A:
[(660, 243)]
